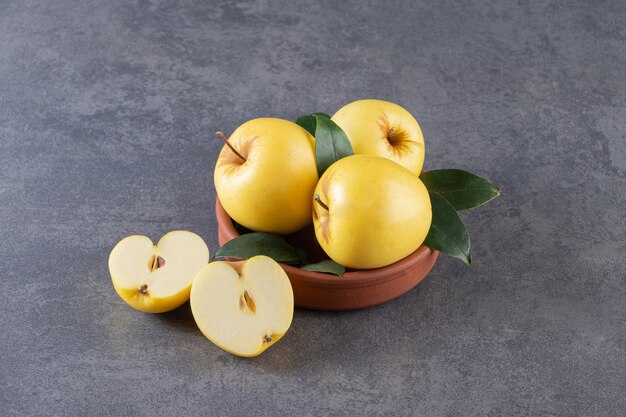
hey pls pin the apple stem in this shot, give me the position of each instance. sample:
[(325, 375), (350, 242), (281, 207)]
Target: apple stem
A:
[(221, 135), (320, 202)]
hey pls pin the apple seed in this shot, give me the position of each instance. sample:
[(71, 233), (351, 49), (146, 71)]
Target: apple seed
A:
[(155, 263), (246, 302)]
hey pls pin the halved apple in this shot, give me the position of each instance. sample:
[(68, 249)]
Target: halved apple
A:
[(157, 278), (243, 307)]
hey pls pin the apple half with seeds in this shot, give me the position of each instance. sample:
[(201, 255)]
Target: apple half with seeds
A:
[(243, 307), (157, 278)]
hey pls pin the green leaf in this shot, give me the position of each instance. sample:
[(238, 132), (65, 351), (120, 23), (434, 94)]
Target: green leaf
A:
[(331, 143), (327, 267), (301, 255), (252, 244), (462, 189), (447, 232), (309, 122)]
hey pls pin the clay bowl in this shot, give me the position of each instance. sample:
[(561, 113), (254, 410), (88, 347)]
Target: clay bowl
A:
[(357, 288)]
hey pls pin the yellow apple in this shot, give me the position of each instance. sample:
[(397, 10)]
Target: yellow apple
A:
[(157, 278), (369, 211), (377, 127), (243, 307), (266, 176)]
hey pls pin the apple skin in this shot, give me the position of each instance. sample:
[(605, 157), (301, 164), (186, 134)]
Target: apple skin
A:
[(378, 212), (271, 190), (377, 127), (152, 304)]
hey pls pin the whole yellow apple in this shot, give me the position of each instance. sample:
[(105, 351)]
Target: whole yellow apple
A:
[(369, 212), (266, 176), (377, 127)]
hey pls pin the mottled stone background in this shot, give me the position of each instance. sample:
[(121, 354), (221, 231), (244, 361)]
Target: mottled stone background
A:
[(107, 110)]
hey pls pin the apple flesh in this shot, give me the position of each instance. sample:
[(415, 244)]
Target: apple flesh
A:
[(266, 180), (377, 127), (370, 212), (243, 307), (157, 278)]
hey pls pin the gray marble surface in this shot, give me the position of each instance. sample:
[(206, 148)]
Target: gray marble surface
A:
[(107, 110)]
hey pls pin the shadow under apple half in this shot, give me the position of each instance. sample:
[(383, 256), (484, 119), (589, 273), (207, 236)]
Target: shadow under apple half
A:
[(356, 288)]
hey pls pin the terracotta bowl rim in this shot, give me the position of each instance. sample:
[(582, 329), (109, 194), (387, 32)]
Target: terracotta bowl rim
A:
[(364, 277)]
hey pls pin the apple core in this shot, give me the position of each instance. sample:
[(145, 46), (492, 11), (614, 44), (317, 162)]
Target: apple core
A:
[(155, 263), (246, 302)]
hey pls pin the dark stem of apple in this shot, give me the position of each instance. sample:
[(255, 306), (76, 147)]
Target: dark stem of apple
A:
[(320, 202), (221, 135)]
